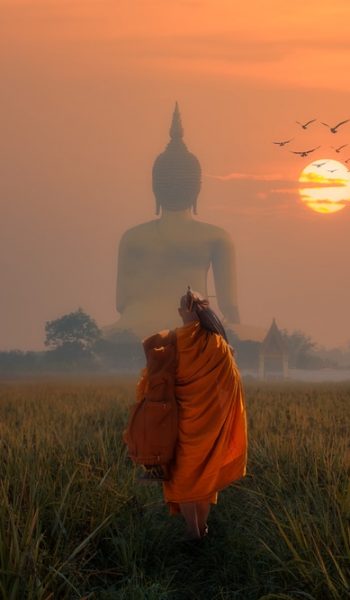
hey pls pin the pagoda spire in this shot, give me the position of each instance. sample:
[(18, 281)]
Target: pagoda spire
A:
[(176, 130)]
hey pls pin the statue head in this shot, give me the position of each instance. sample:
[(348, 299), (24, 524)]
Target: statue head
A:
[(176, 175)]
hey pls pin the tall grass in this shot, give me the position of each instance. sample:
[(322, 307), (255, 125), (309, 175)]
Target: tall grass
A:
[(75, 522)]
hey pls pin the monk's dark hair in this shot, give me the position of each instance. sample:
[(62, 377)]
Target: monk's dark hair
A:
[(207, 317)]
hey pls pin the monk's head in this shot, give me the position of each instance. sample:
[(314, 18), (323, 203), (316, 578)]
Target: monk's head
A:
[(191, 304)]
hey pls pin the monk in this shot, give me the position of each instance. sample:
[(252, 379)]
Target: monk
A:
[(211, 448)]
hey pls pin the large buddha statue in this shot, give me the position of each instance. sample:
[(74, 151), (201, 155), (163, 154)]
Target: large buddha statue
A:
[(159, 259)]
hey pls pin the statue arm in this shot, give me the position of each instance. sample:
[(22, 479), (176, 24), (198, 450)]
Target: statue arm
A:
[(224, 271), (122, 275)]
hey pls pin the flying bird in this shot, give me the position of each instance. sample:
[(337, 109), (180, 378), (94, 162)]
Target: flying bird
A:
[(347, 160), (305, 125), (339, 147), (334, 129), (305, 152), (283, 143), (332, 170), (318, 165)]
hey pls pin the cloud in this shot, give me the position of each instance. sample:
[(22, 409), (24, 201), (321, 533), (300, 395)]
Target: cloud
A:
[(271, 195), (286, 185), (215, 47), (321, 180), (229, 48), (253, 194), (245, 176)]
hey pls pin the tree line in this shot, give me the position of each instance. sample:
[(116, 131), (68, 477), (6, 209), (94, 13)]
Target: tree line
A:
[(75, 344)]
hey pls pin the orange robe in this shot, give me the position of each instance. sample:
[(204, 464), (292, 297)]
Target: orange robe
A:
[(212, 444)]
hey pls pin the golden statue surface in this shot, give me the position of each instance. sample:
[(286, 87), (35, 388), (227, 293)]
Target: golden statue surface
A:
[(157, 260)]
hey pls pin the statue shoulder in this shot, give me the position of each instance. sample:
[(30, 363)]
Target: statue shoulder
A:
[(138, 233), (214, 233)]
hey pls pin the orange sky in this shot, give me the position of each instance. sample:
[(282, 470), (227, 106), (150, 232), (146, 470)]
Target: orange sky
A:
[(88, 88)]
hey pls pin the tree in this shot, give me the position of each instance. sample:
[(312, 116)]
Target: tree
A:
[(72, 334), (123, 351), (19, 361), (300, 349)]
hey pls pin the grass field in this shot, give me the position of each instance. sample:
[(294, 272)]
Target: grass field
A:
[(74, 522)]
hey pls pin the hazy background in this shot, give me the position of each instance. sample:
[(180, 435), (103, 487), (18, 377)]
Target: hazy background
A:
[(88, 88)]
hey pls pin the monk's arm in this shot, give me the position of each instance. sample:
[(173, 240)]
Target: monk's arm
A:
[(224, 270)]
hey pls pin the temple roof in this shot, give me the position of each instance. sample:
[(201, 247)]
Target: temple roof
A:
[(273, 341)]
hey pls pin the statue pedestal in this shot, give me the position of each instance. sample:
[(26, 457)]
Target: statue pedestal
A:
[(144, 327), (254, 333)]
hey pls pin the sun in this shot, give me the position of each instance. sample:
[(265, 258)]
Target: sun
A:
[(328, 189)]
